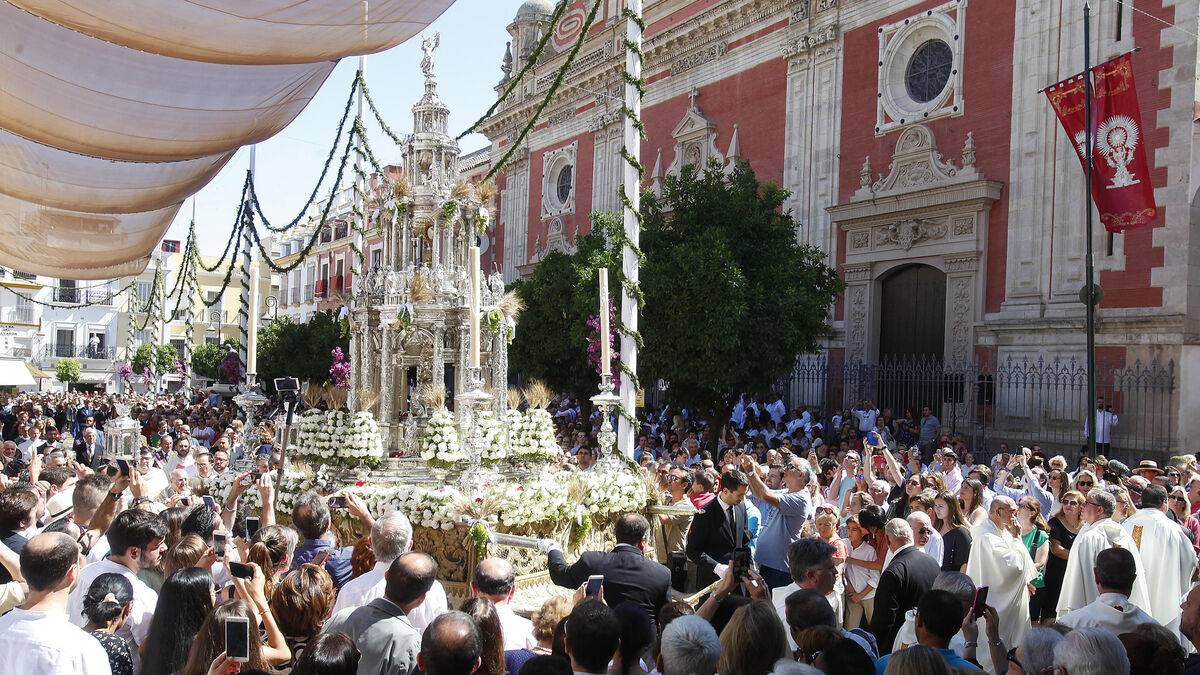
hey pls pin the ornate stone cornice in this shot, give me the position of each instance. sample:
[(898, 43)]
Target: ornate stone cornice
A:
[(697, 40), (857, 273)]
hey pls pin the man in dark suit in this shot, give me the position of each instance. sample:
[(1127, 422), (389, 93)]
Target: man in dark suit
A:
[(88, 450), (906, 578), (627, 574), (719, 529)]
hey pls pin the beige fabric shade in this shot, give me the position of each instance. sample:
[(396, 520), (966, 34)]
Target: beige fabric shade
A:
[(77, 93), (53, 177), (112, 113), (246, 31)]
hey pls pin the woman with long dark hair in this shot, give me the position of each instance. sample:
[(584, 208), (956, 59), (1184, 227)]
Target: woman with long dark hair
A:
[(186, 598), (106, 606), (483, 611), (329, 654), (955, 531)]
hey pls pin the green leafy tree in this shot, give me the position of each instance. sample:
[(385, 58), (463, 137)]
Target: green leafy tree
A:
[(560, 296), (731, 298), (300, 349), (165, 358), (143, 359), (67, 370), (206, 359)]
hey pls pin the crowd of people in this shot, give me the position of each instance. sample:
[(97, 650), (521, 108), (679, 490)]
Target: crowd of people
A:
[(785, 541)]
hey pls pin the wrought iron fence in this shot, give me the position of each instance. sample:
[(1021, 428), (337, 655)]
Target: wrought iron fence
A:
[(1019, 401)]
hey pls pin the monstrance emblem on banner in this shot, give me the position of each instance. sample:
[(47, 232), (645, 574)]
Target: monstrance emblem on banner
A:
[(1116, 139)]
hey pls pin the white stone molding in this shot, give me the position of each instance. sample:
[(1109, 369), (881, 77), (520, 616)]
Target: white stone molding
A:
[(514, 217), (807, 42), (898, 41), (926, 211), (554, 162), (695, 140)]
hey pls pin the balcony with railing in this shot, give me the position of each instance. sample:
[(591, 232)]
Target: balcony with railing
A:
[(341, 230), (17, 315), (337, 285), (68, 294), (319, 291), (326, 235), (63, 350)]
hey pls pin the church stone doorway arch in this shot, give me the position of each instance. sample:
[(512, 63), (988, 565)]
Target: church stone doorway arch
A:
[(912, 313)]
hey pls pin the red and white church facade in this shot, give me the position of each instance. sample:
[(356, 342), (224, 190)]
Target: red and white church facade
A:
[(918, 150)]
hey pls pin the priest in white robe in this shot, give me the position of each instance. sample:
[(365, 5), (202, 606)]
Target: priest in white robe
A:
[(1166, 553), (1111, 610), (1000, 561), (1079, 583)]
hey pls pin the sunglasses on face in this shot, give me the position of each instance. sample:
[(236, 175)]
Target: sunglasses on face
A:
[(1175, 498), (1085, 483), (1072, 503)]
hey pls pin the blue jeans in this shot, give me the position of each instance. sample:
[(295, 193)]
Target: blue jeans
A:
[(774, 578)]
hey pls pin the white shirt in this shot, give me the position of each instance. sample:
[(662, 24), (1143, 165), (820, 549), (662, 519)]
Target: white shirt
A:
[(1111, 611), (188, 464), (45, 643), (137, 626), (779, 600), (370, 585), (154, 481), (860, 577), (517, 630), (1105, 421), (866, 419), (27, 448)]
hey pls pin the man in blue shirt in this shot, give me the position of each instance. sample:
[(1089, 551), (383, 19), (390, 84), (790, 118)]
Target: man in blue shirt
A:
[(310, 516), (786, 510), (939, 618)]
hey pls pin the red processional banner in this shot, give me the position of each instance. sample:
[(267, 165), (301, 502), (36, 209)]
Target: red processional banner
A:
[(1121, 187)]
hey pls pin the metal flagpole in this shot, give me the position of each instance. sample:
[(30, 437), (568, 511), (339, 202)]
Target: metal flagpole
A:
[(244, 306), (1090, 288), (626, 433)]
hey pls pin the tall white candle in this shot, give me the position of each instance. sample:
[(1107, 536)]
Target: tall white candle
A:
[(473, 307), (605, 358), (252, 328)]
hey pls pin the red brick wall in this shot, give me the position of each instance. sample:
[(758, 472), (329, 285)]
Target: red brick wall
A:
[(987, 92), (573, 223), (754, 99)]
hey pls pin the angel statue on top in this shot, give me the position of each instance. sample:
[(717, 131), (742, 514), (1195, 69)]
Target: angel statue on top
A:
[(428, 45)]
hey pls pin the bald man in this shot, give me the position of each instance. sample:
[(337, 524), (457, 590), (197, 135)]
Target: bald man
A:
[(926, 536), (380, 629), (496, 580), (1000, 561)]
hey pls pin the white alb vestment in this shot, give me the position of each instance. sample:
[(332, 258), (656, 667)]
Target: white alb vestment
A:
[(1168, 559), (1000, 561), (1111, 611), (1079, 583)]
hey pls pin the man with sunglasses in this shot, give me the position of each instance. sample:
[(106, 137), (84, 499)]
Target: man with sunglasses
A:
[(785, 511), (671, 545), (1167, 554), (1079, 587)]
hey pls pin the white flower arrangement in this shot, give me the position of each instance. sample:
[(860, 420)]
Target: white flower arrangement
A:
[(339, 437), (495, 438), (440, 445), (533, 435), (431, 509)]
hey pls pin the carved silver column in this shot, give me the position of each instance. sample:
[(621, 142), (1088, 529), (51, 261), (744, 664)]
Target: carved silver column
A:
[(387, 392), (439, 363), (607, 401), (468, 405)]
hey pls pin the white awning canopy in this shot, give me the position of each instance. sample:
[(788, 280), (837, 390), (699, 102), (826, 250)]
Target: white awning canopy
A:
[(113, 113), (14, 373)]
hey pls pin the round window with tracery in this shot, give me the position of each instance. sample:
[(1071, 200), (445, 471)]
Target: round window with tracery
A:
[(564, 184), (929, 70)]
